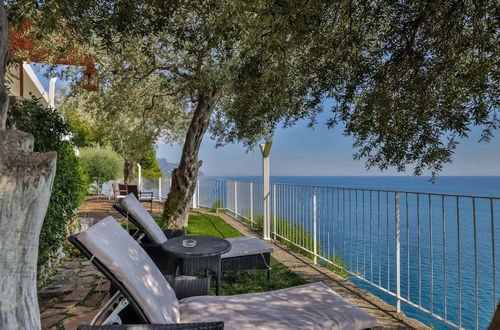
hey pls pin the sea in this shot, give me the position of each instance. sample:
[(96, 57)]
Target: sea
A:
[(442, 265)]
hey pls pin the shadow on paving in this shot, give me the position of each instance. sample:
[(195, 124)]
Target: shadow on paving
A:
[(72, 296)]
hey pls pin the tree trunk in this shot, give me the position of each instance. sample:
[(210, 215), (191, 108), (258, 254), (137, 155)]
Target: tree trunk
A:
[(25, 184), (184, 177), (4, 37), (128, 171)]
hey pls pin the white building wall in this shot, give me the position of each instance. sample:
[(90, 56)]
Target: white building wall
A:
[(31, 83)]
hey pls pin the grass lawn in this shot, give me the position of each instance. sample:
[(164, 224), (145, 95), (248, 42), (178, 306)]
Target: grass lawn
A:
[(242, 281)]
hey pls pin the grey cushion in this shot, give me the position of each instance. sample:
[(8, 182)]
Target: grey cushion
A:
[(135, 209), (310, 306), (244, 246), (124, 257), (240, 246)]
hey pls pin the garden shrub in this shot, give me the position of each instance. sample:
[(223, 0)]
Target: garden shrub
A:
[(101, 164), (337, 266), (70, 183)]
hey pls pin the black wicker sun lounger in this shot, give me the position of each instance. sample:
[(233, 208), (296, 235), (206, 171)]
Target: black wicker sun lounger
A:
[(246, 252), (146, 293)]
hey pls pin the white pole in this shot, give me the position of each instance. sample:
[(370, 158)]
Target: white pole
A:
[(398, 255), (159, 188), (251, 203), (274, 210), (198, 193), (194, 197), (315, 228), (266, 150), (139, 183), (52, 92), (236, 199)]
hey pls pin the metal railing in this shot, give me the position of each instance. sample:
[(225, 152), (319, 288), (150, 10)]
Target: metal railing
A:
[(427, 253)]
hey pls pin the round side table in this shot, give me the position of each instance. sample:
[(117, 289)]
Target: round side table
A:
[(204, 256)]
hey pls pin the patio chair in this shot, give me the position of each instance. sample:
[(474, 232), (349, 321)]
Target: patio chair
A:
[(118, 190), (148, 294), (246, 253)]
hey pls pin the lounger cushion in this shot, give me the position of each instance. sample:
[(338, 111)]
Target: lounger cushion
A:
[(310, 306), (240, 246), (145, 220), (124, 257), (245, 246)]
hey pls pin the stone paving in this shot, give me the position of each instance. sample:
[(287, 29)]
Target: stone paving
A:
[(72, 296)]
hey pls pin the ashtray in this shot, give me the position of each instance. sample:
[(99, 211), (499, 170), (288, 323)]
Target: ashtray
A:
[(189, 242)]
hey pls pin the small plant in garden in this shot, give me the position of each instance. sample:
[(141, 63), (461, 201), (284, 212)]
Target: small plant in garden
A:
[(295, 231), (217, 206), (101, 164)]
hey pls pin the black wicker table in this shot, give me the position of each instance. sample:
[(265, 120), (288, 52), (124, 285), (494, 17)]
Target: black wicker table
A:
[(203, 257)]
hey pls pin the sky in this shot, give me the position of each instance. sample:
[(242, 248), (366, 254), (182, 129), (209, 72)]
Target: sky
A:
[(319, 151)]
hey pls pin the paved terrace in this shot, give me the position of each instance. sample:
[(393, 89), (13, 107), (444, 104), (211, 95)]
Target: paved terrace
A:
[(76, 292)]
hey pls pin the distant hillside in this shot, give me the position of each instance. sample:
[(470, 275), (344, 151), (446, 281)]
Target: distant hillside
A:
[(167, 167)]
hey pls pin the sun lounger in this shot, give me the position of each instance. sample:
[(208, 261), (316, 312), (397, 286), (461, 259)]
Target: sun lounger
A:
[(144, 289), (246, 252)]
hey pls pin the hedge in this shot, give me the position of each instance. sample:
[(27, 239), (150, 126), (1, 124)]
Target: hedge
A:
[(70, 183)]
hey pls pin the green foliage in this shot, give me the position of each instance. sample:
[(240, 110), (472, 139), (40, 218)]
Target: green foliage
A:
[(70, 182), (84, 132), (406, 79), (150, 167), (131, 110), (101, 164), (216, 206), (295, 231)]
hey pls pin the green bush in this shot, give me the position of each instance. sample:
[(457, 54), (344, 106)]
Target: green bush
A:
[(70, 182), (101, 164), (150, 167), (307, 241)]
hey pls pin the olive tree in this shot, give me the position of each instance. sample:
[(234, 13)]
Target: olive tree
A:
[(406, 78), (25, 186), (130, 110)]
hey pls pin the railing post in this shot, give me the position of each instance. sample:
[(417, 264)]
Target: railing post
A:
[(274, 210), (398, 253), (315, 227), (236, 199), (217, 196), (198, 193), (251, 203), (194, 197), (159, 188)]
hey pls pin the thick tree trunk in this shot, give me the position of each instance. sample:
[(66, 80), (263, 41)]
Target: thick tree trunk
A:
[(128, 171), (25, 185), (184, 177)]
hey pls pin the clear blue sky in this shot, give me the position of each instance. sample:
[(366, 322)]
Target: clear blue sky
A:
[(301, 150), (320, 151)]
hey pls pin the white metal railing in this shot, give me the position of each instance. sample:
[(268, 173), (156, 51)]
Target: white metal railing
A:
[(427, 253)]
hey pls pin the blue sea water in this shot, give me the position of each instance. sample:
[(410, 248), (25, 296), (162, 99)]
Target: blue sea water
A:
[(358, 226)]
